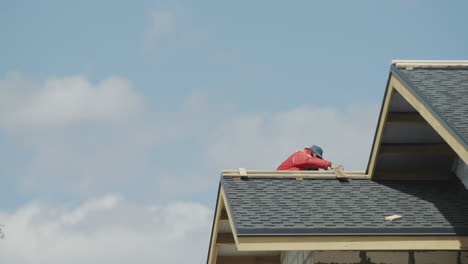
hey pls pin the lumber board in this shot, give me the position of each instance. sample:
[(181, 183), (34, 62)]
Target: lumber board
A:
[(250, 172), (380, 127), (430, 63), (340, 174), (304, 176), (353, 243), (238, 174), (393, 217), (242, 172), (213, 250)]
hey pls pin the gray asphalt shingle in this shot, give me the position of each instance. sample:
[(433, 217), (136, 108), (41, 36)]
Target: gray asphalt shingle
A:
[(330, 207), (446, 91)]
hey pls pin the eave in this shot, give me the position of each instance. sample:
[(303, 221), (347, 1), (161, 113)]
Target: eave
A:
[(353, 243)]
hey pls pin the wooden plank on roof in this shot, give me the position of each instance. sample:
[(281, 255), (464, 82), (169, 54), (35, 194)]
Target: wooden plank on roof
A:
[(272, 172), (236, 174), (430, 63), (305, 176), (242, 172), (340, 174), (393, 217)]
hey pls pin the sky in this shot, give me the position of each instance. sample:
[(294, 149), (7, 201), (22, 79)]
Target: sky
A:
[(116, 117)]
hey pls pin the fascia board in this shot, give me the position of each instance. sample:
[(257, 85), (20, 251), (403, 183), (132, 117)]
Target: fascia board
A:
[(211, 258), (353, 243), (379, 128), (430, 63)]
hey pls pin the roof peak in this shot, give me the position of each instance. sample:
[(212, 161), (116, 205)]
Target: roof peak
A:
[(430, 63)]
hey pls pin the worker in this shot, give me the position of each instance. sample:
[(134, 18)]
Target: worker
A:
[(307, 159)]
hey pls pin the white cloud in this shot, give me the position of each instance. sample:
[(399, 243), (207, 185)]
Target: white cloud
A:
[(93, 138), (81, 135), (263, 141), (64, 100), (107, 229), (105, 138), (162, 22)]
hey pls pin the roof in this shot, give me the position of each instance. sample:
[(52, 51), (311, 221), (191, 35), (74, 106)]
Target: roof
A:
[(444, 89), (421, 133), (423, 123), (309, 207)]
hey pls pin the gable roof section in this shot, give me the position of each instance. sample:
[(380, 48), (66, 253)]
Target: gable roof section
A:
[(328, 207), (445, 93), (423, 123)]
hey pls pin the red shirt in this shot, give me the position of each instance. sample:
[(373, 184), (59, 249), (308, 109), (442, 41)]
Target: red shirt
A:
[(303, 160)]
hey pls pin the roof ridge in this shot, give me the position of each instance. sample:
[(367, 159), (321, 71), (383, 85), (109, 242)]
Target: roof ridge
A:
[(430, 63), (243, 173)]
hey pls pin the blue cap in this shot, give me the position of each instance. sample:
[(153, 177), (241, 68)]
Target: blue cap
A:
[(317, 150)]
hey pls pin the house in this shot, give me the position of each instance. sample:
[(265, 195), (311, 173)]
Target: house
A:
[(417, 171)]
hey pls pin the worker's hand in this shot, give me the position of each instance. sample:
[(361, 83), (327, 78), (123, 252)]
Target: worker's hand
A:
[(334, 166)]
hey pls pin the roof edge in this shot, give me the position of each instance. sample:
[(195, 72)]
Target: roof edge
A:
[(354, 243), (242, 173), (218, 196), (228, 204), (430, 63), (376, 133)]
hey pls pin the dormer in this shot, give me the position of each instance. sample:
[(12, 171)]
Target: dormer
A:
[(422, 133)]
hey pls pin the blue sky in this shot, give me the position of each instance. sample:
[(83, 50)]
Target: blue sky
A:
[(133, 108)]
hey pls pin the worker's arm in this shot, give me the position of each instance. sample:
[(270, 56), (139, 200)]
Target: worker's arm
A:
[(304, 161)]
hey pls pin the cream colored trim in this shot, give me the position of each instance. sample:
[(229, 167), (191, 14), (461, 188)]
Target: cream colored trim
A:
[(214, 236), (340, 173), (231, 223), (431, 119), (291, 174), (430, 63), (353, 243), (242, 172), (380, 127), (273, 172), (305, 176)]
